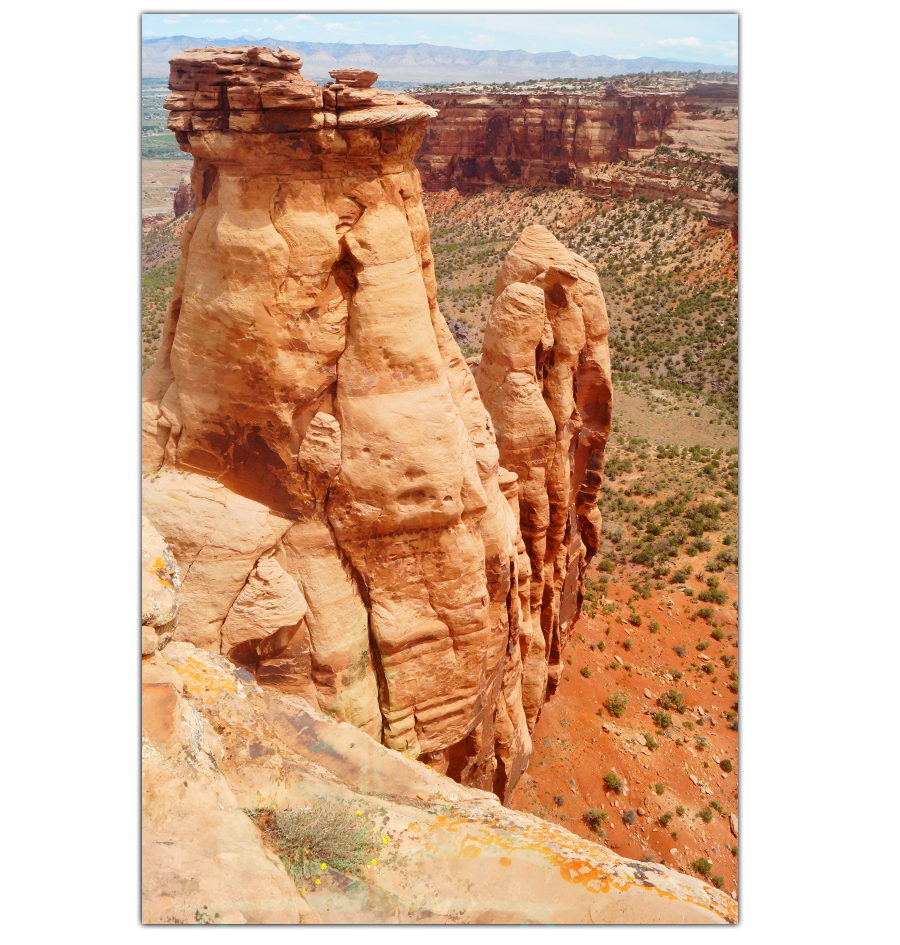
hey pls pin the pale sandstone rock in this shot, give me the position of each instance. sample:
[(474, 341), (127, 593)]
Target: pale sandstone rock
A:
[(454, 853), (160, 582)]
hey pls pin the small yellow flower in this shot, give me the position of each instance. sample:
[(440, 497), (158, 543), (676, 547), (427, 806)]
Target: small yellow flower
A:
[(307, 852), (358, 813), (374, 862), (318, 882), (324, 866), (303, 890), (385, 840)]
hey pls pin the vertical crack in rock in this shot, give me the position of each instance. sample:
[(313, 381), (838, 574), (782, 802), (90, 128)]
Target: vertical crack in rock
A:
[(319, 454)]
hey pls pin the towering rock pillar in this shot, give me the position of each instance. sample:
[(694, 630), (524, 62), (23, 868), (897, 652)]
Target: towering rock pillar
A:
[(544, 376), (318, 457)]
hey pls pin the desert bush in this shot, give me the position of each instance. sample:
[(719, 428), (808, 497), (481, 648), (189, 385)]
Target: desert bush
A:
[(629, 817), (616, 704), (586, 672), (559, 800), (717, 633), (718, 882), (713, 595), (702, 866), (660, 788), (614, 782), (680, 650), (628, 643), (679, 810), (673, 699), (595, 818), (726, 765), (662, 720), (329, 832)]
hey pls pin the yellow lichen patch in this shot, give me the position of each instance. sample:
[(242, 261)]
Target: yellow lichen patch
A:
[(161, 571), (200, 677)]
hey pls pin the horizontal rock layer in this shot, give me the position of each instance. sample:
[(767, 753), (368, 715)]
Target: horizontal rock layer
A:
[(555, 139)]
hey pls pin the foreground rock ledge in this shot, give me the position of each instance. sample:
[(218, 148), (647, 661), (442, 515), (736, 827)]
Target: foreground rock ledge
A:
[(317, 452), (215, 742)]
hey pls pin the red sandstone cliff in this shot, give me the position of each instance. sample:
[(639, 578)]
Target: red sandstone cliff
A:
[(554, 139)]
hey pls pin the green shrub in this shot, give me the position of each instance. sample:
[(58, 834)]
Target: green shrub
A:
[(660, 788), (616, 704), (666, 818), (595, 818), (559, 800), (703, 645), (679, 810), (680, 650), (629, 817), (718, 882), (614, 782), (706, 815), (713, 595), (634, 619), (726, 765), (330, 832), (702, 866), (652, 743), (673, 699), (718, 633), (586, 672), (654, 626), (607, 566), (662, 720)]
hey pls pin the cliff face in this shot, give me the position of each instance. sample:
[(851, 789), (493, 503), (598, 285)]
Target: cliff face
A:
[(319, 457), (551, 139), (534, 140)]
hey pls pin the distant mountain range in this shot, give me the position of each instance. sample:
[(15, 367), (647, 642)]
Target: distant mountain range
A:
[(425, 63)]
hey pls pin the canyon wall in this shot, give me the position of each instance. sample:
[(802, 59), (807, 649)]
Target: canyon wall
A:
[(316, 451), (552, 139)]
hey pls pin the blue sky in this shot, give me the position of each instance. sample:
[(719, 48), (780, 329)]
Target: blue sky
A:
[(697, 37)]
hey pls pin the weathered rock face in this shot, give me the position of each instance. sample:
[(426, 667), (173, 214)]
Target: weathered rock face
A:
[(544, 376), (215, 744), (552, 139), (319, 457), (535, 140)]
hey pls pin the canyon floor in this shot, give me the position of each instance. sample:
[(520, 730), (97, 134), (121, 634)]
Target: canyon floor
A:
[(658, 639)]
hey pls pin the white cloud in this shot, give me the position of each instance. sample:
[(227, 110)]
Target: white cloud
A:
[(278, 29), (686, 41), (482, 39), (215, 21), (306, 16), (170, 21), (344, 27)]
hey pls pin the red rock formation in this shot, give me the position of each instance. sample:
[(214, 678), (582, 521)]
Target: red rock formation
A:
[(535, 140), (319, 458), (553, 139), (355, 547), (544, 376), (184, 201)]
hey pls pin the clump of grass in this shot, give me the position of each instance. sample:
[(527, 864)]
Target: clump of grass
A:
[(330, 832), (616, 704)]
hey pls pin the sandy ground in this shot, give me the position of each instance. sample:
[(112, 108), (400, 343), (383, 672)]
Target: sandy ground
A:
[(575, 747), (159, 181)]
